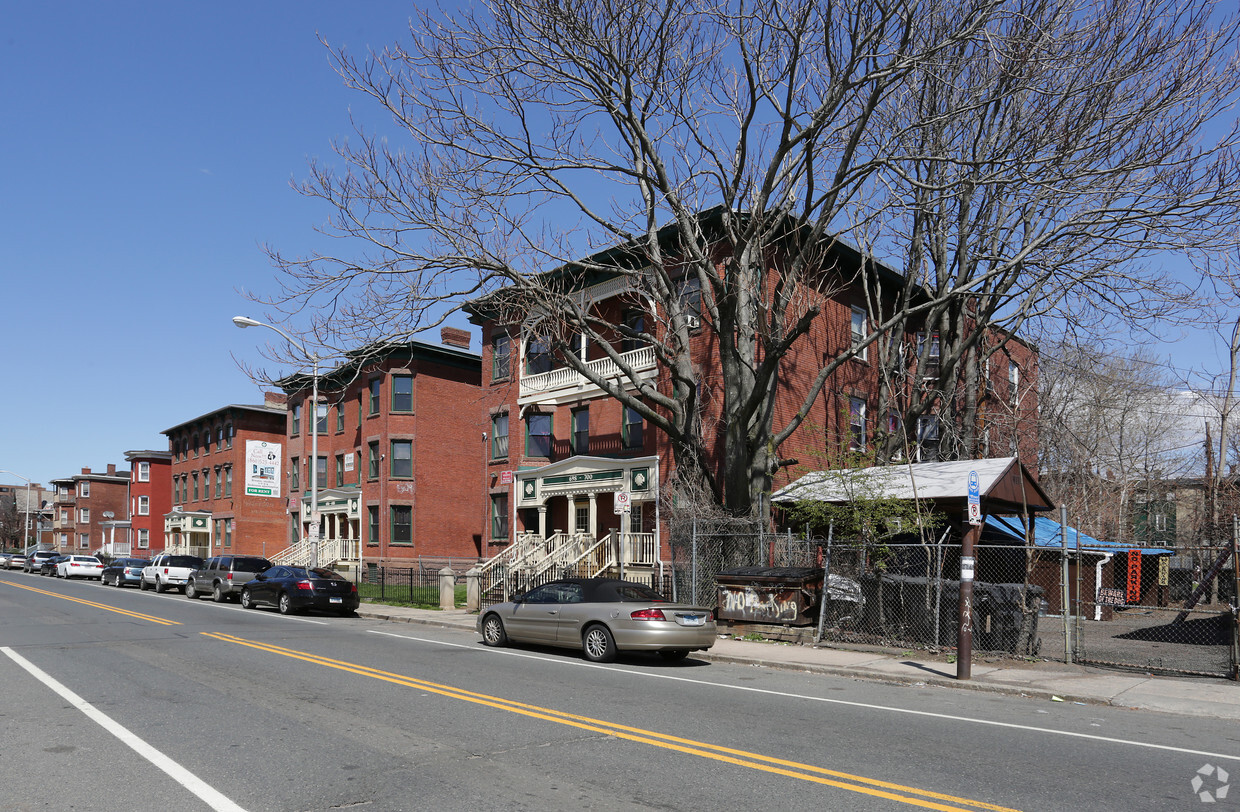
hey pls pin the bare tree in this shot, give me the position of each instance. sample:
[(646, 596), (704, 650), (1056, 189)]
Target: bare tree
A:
[(1114, 428), (707, 153), (1053, 162)]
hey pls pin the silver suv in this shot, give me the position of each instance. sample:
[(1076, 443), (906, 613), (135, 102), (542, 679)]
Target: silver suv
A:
[(36, 559), (224, 575)]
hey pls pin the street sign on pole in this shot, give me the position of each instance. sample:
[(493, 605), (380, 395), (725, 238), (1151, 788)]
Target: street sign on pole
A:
[(623, 502), (975, 499)]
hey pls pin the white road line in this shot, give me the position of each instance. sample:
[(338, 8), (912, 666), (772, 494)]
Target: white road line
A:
[(864, 705), (182, 776)]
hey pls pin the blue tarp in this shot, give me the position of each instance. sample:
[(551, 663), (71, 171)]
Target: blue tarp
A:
[(1046, 533)]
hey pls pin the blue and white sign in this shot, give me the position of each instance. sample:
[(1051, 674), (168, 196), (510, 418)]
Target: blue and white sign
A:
[(975, 499)]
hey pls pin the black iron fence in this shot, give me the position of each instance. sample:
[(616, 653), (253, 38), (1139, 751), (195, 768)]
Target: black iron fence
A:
[(413, 585)]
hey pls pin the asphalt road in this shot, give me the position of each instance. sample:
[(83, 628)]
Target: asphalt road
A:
[(119, 699)]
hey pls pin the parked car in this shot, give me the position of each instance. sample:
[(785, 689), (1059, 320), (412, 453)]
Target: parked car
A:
[(601, 616), (14, 561), (224, 575), (51, 566), (34, 561), (79, 566), (168, 571), (122, 571), (293, 589)]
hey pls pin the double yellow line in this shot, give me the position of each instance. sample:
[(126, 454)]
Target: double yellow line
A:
[(104, 606), (728, 755)]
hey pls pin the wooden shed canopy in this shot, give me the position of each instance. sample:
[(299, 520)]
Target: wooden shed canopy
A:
[(1004, 485)]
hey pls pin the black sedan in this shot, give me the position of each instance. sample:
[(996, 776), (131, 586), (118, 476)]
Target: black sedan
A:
[(124, 571), (48, 567), (294, 589)]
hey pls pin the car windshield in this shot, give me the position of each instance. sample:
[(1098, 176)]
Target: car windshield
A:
[(251, 565), (182, 561)]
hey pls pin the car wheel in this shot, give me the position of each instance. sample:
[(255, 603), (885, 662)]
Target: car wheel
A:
[(598, 645), (286, 604), (247, 602), (159, 586), (142, 585), (674, 656), (217, 594), (116, 581), (493, 633), (190, 591)]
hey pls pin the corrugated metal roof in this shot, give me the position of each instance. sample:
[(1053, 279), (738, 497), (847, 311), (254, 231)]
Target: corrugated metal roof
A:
[(1001, 478)]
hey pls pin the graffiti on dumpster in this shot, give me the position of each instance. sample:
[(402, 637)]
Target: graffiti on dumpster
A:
[(762, 605)]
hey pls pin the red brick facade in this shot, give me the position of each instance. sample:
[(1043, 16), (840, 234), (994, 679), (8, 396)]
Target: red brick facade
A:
[(1007, 422), (400, 450), (211, 511), (150, 497), (80, 514)]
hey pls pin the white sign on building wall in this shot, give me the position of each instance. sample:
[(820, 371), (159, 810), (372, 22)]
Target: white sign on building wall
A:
[(348, 462), (262, 468)]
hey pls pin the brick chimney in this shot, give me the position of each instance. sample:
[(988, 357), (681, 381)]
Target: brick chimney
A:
[(111, 469), (454, 337)]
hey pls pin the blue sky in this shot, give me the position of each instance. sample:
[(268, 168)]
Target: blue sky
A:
[(148, 149)]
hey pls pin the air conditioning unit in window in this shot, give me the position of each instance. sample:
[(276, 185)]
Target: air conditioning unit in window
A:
[(693, 322)]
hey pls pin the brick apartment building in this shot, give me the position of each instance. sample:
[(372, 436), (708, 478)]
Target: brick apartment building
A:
[(150, 498), (221, 500), (561, 449), (400, 456), (87, 509)]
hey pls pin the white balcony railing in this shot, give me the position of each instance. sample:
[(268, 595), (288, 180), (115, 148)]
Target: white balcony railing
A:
[(568, 383)]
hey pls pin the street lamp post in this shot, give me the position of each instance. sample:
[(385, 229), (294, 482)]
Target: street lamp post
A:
[(26, 533), (245, 321)]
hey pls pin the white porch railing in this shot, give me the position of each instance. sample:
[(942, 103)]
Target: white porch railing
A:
[(330, 551), (569, 381), (187, 549), (532, 561)]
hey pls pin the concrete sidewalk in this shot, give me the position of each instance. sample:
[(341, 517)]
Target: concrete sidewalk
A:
[(1051, 681)]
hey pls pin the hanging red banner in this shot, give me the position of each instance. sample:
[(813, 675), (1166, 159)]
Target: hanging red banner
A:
[(1134, 577)]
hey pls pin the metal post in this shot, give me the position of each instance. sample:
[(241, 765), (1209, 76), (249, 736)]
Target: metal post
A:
[(826, 583), (1235, 609), (964, 635), (317, 531), (1064, 592), (693, 563)]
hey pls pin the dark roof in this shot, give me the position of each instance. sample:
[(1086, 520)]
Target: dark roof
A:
[(377, 353), (231, 407)]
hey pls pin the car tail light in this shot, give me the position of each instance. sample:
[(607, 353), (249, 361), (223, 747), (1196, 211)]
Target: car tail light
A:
[(353, 587), (647, 614), (228, 577), (305, 585)]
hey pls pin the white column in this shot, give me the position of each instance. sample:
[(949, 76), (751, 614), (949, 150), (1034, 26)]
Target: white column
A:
[(542, 521), (572, 514), (593, 516)]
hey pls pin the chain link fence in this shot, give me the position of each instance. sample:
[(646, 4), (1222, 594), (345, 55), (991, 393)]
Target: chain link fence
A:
[(1169, 612)]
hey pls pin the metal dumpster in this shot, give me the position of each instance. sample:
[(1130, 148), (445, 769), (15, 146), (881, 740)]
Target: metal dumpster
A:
[(784, 595)]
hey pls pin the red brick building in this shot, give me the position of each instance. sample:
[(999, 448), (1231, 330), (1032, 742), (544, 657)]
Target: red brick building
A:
[(561, 450), (228, 493), (400, 456), (150, 498), (88, 508)]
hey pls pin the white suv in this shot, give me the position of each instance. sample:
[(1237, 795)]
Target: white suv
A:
[(168, 571)]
